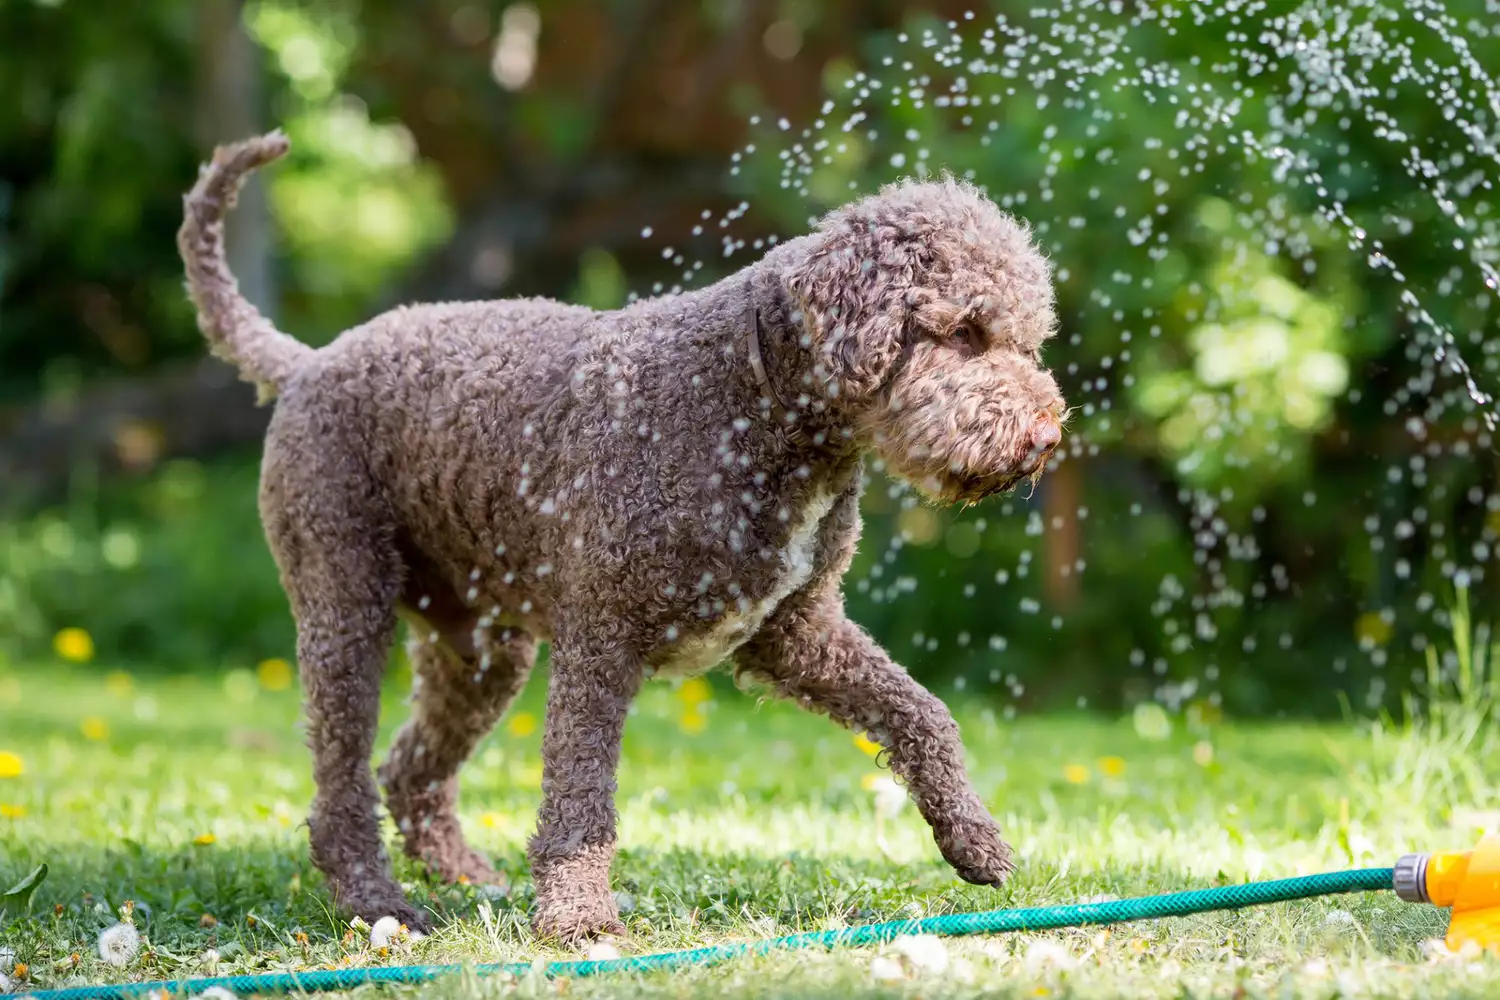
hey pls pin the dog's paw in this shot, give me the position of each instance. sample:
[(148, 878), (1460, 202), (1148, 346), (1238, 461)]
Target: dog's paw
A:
[(977, 853), (576, 919)]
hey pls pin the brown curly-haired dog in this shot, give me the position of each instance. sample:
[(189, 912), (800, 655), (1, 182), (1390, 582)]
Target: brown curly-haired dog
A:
[(652, 490)]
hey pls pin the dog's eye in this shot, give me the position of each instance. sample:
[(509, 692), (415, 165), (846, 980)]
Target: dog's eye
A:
[(967, 337)]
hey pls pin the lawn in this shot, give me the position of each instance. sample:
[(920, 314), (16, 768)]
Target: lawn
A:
[(183, 798)]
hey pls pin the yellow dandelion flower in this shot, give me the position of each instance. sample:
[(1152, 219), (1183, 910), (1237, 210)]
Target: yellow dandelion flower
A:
[(869, 746), (11, 765), (274, 674), (1076, 774), (1203, 753), (1113, 767), (1372, 628), (695, 691), (692, 722), (8, 811), (94, 728), (204, 839), (494, 820), (118, 683), (521, 725), (74, 645)]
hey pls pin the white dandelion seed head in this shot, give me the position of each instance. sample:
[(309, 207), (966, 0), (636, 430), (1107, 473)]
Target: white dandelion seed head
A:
[(923, 953), (602, 951), (1339, 920), (386, 930), (885, 970), (210, 957), (1437, 950), (1044, 953), (215, 993), (119, 944)]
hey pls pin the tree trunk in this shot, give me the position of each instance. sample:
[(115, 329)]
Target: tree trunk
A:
[(230, 99)]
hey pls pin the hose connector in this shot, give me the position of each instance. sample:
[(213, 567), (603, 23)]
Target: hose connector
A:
[(1411, 878)]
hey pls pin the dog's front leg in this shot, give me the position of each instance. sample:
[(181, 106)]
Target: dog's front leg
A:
[(813, 654), (587, 698)]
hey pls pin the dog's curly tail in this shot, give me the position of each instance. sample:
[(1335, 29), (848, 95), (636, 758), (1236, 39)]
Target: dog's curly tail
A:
[(236, 330)]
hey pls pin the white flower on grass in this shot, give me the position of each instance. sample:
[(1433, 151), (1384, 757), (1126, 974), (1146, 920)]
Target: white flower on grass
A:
[(922, 952), (386, 930), (119, 944), (602, 951), (216, 993), (1044, 953), (885, 969)]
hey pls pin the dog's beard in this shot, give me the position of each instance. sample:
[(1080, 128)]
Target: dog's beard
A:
[(961, 480), (965, 491), (958, 487)]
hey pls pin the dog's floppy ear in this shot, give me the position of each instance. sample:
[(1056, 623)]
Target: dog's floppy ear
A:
[(853, 299)]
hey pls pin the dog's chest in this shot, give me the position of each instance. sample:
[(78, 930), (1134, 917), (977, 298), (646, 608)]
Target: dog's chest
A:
[(700, 651)]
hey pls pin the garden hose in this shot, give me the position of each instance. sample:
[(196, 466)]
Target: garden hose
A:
[(1467, 881), (1036, 918)]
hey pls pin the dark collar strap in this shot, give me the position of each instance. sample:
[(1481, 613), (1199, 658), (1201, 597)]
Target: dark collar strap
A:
[(793, 428)]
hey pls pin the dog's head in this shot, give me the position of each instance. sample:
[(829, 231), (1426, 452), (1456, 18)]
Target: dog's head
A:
[(926, 307)]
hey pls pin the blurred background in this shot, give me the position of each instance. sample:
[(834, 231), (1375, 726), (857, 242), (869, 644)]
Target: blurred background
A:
[(1278, 477)]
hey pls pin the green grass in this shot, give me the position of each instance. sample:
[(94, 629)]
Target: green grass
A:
[(758, 825)]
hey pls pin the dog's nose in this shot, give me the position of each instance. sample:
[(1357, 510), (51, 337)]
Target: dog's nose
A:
[(1045, 433)]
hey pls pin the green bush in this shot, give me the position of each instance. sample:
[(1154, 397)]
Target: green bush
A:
[(171, 571)]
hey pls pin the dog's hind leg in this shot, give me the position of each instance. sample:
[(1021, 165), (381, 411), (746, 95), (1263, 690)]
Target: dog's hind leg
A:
[(458, 695), (331, 535)]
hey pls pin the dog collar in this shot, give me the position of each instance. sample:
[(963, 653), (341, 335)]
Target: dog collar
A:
[(781, 414)]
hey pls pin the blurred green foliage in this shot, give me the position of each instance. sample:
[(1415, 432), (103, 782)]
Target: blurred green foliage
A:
[(1242, 375)]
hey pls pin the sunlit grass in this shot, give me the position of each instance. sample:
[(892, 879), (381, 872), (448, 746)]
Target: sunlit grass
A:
[(181, 800)]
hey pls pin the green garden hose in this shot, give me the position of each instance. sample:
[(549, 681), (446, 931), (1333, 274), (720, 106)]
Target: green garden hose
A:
[(1035, 918)]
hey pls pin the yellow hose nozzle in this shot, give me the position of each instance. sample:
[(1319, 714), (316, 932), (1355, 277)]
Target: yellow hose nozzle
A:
[(1468, 881)]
